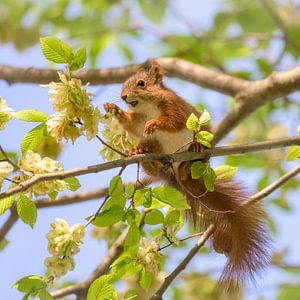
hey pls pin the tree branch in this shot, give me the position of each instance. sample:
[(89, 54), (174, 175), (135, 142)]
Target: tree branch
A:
[(9, 223), (165, 158), (273, 186), (168, 280)]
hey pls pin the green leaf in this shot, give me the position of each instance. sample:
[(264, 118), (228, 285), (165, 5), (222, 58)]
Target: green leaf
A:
[(154, 9), (145, 279), (78, 60), (31, 115), (197, 169), (33, 138), (5, 204), (26, 210), (170, 196), (225, 172), (116, 187), (29, 284), (53, 195), (133, 236), (55, 50), (154, 217), (118, 200), (130, 295), (209, 178), (102, 289), (73, 184), (293, 153), (204, 138), (172, 217), (129, 189), (192, 123), (289, 292), (3, 243), (109, 217), (45, 295), (142, 195), (205, 118)]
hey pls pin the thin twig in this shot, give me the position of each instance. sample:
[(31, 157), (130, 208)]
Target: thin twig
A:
[(7, 158), (9, 223), (110, 147), (181, 240), (169, 279), (273, 186), (92, 218)]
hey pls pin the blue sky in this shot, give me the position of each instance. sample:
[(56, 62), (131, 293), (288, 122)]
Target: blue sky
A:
[(28, 248)]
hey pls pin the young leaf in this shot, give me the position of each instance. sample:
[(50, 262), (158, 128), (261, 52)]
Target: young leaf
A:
[(31, 115), (133, 236), (145, 279), (209, 178), (53, 195), (33, 138), (73, 184), (293, 153), (154, 217), (129, 189), (170, 196), (55, 50), (205, 118), (192, 123), (78, 60), (102, 289), (26, 210), (204, 138), (45, 295), (30, 284), (3, 244), (197, 169), (172, 217), (5, 204), (116, 186), (109, 217), (225, 172)]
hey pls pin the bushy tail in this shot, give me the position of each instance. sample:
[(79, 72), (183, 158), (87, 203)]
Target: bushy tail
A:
[(239, 232)]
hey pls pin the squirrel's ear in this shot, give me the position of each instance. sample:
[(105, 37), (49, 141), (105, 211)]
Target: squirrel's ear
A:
[(155, 71)]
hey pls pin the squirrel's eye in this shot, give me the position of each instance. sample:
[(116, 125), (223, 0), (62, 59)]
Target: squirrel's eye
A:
[(141, 83)]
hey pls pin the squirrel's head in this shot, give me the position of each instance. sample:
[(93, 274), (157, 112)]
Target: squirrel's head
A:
[(143, 86)]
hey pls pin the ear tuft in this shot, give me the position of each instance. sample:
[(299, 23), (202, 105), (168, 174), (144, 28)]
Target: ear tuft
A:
[(155, 70)]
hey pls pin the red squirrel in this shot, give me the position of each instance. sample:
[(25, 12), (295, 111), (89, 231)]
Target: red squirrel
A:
[(156, 121)]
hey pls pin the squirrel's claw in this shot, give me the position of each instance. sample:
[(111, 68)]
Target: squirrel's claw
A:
[(136, 150), (113, 108), (150, 127)]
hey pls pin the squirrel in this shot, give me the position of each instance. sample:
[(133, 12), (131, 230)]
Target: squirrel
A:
[(156, 121)]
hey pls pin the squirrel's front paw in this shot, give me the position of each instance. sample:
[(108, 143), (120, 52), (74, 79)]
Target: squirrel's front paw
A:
[(151, 126), (113, 108)]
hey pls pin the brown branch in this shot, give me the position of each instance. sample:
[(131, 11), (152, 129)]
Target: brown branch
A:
[(9, 223), (71, 199), (273, 186), (168, 280), (168, 158)]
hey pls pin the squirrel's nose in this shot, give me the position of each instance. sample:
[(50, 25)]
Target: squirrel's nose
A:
[(124, 97)]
